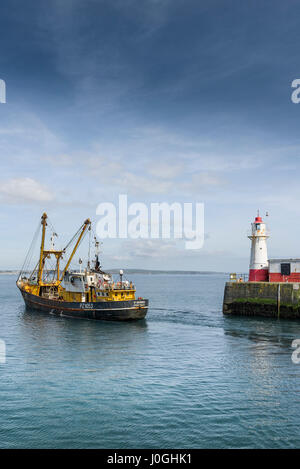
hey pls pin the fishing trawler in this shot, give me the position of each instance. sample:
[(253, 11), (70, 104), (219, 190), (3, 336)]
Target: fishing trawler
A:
[(90, 293)]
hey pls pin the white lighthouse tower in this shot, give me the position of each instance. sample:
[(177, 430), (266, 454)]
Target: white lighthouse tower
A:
[(258, 269)]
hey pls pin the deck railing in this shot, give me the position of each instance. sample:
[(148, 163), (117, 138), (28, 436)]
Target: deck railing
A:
[(236, 278)]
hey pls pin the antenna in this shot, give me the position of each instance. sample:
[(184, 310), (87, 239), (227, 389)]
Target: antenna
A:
[(97, 244), (97, 250)]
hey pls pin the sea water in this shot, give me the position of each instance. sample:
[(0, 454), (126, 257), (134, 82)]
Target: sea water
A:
[(186, 377)]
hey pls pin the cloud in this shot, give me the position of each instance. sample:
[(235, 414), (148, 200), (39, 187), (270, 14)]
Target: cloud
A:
[(150, 248), (201, 181), (113, 172), (24, 190), (59, 159), (154, 161), (139, 184), (164, 170), (120, 258), (26, 140)]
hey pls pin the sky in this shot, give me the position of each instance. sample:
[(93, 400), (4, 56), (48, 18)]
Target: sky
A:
[(162, 100)]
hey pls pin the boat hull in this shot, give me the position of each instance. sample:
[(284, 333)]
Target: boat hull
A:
[(129, 310)]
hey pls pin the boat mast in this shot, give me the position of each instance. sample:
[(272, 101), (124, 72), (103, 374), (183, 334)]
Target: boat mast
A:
[(84, 227), (44, 224), (97, 263)]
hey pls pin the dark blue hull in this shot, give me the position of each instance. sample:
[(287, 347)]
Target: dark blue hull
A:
[(101, 310)]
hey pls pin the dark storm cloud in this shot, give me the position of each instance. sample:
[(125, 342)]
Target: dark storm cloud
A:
[(165, 57)]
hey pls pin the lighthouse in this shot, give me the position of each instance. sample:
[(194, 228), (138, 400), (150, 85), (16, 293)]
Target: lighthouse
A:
[(258, 269)]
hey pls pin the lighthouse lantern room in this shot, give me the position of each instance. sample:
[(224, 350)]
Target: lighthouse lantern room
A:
[(258, 269)]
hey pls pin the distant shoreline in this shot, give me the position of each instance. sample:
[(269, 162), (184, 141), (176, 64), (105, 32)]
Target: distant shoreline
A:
[(150, 271), (143, 271)]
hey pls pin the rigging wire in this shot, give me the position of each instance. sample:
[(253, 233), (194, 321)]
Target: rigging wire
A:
[(30, 251), (96, 239), (49, 222), (72, 239), (89, 254), (34, 270), (52, 270), (83, 237)]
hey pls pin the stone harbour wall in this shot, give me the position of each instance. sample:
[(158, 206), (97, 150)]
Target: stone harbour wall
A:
[(277, 300)]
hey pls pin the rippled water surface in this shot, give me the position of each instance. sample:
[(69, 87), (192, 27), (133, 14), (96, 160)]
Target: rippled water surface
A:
[(186, 377)]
